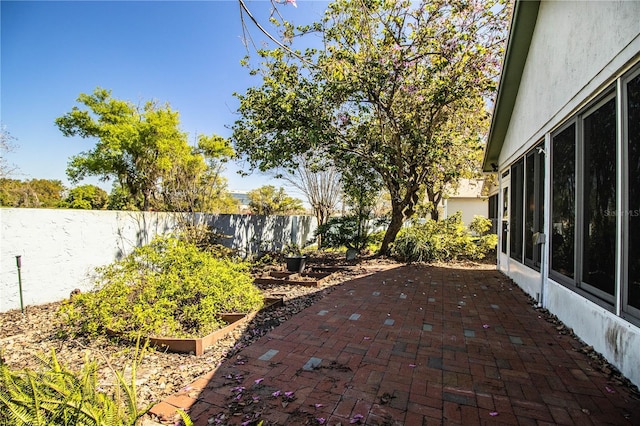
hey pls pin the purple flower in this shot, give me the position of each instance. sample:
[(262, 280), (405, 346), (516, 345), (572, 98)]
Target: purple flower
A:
[(318, 405), (493, 413), (258, 381), (356, 419), (276, 393), (485, 326), (288, 394), (320, 420)]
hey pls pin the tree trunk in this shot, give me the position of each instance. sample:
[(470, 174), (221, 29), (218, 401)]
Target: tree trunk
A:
[(146, 200), (397, 218), (401, 210), (434, 199), (321, 218)]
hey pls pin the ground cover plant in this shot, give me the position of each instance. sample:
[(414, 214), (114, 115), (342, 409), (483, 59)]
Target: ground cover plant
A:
[(168, 288), (443, 240), (56, 395)]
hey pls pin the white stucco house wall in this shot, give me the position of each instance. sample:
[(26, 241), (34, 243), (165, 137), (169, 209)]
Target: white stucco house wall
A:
[(468, 199), (565, 143)]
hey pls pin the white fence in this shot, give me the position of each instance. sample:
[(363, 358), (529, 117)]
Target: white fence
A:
[(60, 248)]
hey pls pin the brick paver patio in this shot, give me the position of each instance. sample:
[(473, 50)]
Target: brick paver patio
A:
[(412, 345)]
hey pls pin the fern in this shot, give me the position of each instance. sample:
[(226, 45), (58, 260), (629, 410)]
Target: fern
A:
[(54, 395), (185, 418)]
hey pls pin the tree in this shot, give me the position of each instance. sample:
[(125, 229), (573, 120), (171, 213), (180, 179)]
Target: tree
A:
[(399, 87), (319, 180), (87, 197), (120, 199), (267, 200), (139, 147), (198, 185), (34, 193), (216, 151), (361, 188), (7, 145)]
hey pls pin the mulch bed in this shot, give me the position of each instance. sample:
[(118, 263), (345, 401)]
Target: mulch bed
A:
[(24, 337)]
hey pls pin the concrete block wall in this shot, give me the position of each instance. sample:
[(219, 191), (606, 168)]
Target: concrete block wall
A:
[(60, 248)]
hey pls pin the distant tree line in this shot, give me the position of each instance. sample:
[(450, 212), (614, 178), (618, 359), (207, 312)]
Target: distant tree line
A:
[(50, 193)]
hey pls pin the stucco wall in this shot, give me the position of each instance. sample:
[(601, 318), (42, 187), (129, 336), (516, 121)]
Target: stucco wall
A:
[(577, 48), (469, 207), (616, 339), (60, 248)]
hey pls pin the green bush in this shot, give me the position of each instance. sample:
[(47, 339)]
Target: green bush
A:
[(168, 288), (351, 231), (444, 240), (205, 239), (55, 395)]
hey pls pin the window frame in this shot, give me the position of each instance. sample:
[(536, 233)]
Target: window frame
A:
[(553, 274), (599, 102), (516, 210), (537, 156), (628, 312), (618, 302), (493, 210)]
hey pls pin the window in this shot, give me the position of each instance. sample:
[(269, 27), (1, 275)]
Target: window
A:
[(599, 200), (595, 200), (505, 216), (633, 216), (534, 206), (493, 213), (526, 211), (517, 203), (563, 187)]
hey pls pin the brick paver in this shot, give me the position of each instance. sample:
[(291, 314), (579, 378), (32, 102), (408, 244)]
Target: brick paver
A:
[(413, 345)]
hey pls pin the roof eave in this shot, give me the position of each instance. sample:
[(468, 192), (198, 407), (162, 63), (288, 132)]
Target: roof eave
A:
[(523, 22)]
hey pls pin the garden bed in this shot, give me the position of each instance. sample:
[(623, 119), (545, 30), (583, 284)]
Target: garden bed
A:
[(197, 346), (160, 373), (309, 279)]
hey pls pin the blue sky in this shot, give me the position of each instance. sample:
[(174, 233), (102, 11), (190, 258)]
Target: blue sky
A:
[(186, 53)]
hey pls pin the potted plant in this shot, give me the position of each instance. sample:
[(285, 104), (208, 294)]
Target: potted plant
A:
[(294, 258)]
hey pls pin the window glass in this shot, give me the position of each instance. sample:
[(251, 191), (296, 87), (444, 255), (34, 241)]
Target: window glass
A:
[(534, 207), (563, 201), (599, 200), (539, 217), (505, 219), (493, 213), (633, 106), (530, 202), (516, 214)]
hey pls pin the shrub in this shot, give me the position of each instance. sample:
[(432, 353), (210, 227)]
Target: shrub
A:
[(352, 232), (205, 239), (168, 288), (55, 395), (443, 240)]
